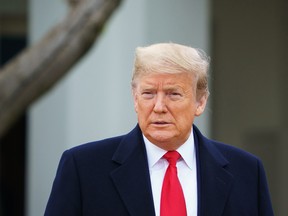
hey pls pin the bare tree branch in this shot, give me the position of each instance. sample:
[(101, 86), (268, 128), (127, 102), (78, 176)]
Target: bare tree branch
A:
[(38, 68)]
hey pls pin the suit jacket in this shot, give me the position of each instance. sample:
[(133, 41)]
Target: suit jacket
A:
[(111, 178)]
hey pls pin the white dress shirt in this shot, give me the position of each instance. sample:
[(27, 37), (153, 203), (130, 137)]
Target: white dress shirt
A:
[(187, 173)]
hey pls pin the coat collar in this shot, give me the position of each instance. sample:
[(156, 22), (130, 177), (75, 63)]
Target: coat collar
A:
[(214, 179), (132, 178)]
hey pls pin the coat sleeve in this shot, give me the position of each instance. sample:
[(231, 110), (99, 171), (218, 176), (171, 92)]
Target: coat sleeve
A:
[(265, 206), (65, 197)]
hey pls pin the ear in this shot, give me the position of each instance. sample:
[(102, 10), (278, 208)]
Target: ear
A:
[(201, 104)]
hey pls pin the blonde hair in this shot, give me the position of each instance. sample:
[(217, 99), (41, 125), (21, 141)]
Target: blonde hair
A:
[(172, 58)]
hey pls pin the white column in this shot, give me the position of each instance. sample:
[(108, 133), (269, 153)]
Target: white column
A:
[(94, 101), (47, 132)]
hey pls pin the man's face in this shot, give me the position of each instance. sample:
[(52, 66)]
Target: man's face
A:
[(166, 106)]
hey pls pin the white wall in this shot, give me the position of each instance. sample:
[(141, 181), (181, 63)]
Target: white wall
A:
[(94, 100), (185, 22)]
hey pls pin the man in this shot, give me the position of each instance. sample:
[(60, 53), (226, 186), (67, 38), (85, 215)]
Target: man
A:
[(164, 166)]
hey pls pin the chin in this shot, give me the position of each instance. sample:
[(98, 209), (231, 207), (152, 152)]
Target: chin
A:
[(162, 137)]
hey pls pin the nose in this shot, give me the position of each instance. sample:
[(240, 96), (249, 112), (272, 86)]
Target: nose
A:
[(160, 104)]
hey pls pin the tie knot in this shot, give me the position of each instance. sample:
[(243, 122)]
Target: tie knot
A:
[(172, 157)]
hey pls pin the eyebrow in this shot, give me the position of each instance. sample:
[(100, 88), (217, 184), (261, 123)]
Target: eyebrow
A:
[(168, 88)]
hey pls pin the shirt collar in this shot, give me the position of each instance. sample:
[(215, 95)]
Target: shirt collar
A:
[(187, 151)]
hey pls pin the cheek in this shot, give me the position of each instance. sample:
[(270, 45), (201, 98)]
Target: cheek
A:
[(143, 109), (135, 107), (135, 102), (186, 114)]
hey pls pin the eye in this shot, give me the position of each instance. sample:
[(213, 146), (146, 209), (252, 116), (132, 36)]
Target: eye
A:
[(175, 95), (147, 94)]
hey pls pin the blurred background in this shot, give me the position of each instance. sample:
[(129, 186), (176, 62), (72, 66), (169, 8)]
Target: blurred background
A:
[(247, 42)]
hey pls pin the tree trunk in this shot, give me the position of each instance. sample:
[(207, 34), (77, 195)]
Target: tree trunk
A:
[(38, 68)]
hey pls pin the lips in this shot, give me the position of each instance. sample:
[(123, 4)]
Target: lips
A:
[(160, 122)]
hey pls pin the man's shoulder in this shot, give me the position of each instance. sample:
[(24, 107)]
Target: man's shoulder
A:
[(98, 146), (103, 152), (227, 150), (107, 146), (89, 155), (237, 156)]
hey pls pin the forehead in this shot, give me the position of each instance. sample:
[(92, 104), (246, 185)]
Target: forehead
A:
[(155, 79)]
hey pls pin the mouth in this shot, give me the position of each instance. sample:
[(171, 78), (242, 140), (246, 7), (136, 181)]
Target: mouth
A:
[(160, 123)]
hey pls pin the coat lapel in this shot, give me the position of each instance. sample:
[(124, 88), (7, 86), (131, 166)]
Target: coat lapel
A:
[(131, 178), (214, 180)]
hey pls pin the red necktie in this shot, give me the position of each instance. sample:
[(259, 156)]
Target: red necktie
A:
[(172, 197)]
